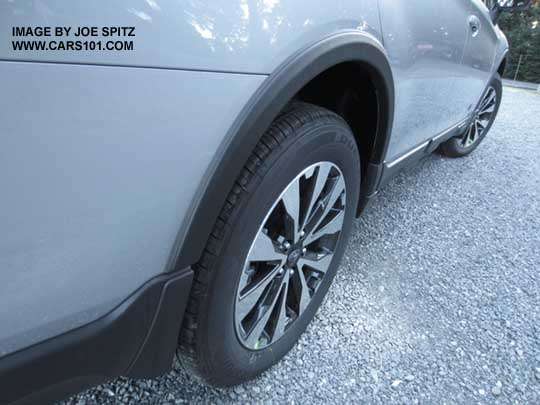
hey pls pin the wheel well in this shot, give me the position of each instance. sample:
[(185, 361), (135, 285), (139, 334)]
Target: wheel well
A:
[(502, 67), (348, 90), (356, 65)]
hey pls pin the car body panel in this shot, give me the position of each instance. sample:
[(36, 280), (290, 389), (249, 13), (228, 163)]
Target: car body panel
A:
[(425, 47), (222, 35), (480, 56), (95, 183)]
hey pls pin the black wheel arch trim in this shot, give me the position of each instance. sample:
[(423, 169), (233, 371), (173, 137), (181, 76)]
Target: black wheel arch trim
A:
[(275, 93), (501, 64), (137, 339), (501, 58)]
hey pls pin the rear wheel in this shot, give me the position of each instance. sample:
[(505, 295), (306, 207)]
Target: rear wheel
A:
[(275, 248), (483, 119)]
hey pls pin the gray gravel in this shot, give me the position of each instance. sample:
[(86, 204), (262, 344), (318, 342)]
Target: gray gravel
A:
[(437, 299)]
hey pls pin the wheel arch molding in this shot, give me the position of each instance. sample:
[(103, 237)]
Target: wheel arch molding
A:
[(268, 101), (501, 63)]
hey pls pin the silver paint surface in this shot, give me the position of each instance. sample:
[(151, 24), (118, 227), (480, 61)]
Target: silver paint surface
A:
[(98, 167), (229, 35), (425, 42)]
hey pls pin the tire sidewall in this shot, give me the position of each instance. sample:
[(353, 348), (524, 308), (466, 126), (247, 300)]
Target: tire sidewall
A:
[(331, 142)]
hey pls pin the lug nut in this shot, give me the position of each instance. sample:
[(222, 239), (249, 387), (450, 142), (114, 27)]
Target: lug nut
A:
[(302, 234), (291, 272), (304, 251), (286, 245), (281, 271)]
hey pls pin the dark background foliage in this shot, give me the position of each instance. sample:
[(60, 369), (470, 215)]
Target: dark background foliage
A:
[(523, 31)]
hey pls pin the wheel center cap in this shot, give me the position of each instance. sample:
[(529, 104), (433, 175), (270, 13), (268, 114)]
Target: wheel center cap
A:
[(293, 257)]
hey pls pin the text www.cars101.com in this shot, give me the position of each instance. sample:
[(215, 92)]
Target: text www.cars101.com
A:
[(33, 45)]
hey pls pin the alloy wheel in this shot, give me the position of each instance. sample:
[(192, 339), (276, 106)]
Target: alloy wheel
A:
[(484, 115), (290, 255)]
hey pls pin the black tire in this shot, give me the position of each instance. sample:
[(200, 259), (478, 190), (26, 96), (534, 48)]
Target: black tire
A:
[(457, 147), (209, 346)]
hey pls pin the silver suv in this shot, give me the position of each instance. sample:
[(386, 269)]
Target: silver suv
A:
[(186, 173)]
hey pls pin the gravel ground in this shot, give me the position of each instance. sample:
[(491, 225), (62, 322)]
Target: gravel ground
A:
[(437, 299)]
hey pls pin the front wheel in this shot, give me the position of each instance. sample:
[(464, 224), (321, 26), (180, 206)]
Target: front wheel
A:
[(483, 119), (275, 248)]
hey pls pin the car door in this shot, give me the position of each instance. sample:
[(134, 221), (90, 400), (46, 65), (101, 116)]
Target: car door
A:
[(479, 57), (425, 42)]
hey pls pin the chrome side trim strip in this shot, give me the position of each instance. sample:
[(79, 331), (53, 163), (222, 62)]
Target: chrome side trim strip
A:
[(424, 145), (458, 125), (408, 154)]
